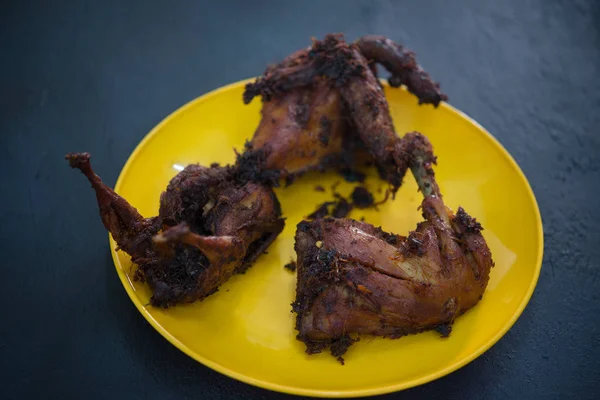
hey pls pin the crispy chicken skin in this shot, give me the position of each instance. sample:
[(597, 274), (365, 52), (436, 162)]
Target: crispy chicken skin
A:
[(354, 278), (209, 227)]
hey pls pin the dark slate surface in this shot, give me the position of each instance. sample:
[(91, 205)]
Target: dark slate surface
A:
[(98, 75)]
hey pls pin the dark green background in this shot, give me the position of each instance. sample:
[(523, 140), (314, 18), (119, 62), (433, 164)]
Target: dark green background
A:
[(98, 75)]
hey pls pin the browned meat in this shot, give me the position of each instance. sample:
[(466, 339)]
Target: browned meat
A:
[(303, 127), (371, 115), (354, 278), (130, 230), (299, 131), (333, 62), (210, 226), (403, 66)]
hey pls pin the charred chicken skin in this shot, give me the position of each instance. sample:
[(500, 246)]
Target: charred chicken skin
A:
[(354, 278), (209, 227)]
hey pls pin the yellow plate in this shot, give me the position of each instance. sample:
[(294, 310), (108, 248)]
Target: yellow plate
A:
[(246, 329)]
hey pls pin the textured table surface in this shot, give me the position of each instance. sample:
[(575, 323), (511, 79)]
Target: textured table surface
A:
[(98, 75)]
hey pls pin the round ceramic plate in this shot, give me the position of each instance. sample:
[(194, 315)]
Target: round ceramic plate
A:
[(246, 330)]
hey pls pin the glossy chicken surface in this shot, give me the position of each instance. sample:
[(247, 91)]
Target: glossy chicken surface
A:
[(210, 226), (301, 129)]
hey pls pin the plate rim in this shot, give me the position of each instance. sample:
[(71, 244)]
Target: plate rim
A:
[(370, 391)]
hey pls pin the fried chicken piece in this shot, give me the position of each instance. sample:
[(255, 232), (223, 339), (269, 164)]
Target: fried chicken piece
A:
[(354, 278), (210, 226), (345, 68), (302, 129)]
